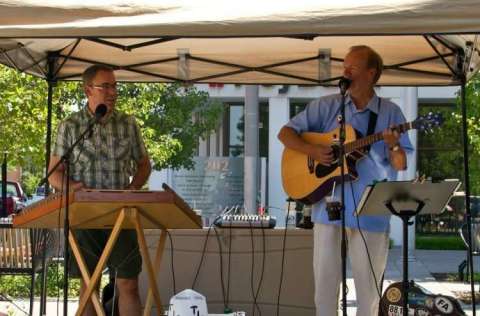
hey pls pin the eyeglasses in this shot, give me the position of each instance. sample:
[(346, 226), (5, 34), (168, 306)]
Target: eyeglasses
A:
[(105, 86)]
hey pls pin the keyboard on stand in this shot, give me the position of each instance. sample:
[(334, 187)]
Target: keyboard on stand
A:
[(246, 221)]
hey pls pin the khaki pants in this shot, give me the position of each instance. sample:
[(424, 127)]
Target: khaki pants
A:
[(327, 268)]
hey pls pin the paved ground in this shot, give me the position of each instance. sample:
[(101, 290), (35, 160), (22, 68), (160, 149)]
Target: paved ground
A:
[(421, 267)]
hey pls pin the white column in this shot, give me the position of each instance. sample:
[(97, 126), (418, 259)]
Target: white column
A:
[(251, 166), (411, 113), (213, 144), (279, 114), (202, 148), (409, 106)]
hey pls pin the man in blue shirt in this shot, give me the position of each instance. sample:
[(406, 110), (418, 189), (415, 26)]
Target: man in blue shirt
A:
[(363, 66)]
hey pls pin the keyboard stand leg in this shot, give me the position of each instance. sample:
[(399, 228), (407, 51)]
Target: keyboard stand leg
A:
[(91, 284), (135, 217), (84, 271), (156, 267)]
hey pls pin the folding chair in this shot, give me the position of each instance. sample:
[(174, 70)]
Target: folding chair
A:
[(475, 244), (25, 251)]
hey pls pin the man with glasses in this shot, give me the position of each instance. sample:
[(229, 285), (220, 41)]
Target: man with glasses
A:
[(112, 157)]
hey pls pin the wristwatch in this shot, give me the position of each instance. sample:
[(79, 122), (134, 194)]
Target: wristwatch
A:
[(394, 148)]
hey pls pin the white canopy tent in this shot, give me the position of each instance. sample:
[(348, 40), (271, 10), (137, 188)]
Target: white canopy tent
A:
[(423, 42), (427, 42)]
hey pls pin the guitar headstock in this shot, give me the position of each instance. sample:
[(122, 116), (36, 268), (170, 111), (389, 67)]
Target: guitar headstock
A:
[(426, 123)]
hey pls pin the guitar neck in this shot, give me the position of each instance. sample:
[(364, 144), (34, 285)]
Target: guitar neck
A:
[(370, 139)]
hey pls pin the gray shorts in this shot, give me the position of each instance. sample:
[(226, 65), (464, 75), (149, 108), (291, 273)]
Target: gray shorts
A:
[(125, 260)]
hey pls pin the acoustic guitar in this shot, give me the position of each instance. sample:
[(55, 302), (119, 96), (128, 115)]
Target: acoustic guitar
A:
[(307, 181)]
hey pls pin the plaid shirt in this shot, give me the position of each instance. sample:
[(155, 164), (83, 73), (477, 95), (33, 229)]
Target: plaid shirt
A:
[(108, 157)]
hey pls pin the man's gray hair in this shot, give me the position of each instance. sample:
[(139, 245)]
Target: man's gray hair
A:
[(92, 71), (374, 60)]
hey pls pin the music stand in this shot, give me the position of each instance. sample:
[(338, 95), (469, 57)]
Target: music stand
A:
[(406, 199)]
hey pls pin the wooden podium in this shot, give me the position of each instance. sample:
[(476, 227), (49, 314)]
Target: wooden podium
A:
[(116, 210)]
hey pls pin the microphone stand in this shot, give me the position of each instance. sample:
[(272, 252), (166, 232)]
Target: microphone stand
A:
[(341, 159), (65, 159)]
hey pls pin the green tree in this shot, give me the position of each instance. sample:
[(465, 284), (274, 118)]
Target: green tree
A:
[(23, 113), (442, 152), (172, 117), (472, 96)]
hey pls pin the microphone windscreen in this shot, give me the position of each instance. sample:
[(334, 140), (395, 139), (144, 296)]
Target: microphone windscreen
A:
[(100, 111), (344, 84)]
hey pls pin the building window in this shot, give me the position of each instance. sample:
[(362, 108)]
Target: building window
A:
[(235, 130), (297, 107)]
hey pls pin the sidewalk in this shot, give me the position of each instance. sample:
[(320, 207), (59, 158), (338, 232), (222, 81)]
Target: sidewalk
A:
[(420, 269)]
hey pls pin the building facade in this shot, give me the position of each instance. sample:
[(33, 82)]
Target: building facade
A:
[(276, 104)]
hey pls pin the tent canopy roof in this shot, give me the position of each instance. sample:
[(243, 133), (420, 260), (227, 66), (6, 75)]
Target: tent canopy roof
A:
[(423, 42)]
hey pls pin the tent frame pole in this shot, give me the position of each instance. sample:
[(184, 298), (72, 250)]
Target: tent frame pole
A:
[(467, 191), (51, 82)]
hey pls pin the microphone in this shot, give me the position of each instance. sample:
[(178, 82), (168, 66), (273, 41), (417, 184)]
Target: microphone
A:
[(100, 111), (344, 84)]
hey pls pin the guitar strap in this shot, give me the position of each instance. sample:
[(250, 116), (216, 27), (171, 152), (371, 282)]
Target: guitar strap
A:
[(372, 122)]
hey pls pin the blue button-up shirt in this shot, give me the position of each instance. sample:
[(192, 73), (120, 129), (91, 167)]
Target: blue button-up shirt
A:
[(321, 116)]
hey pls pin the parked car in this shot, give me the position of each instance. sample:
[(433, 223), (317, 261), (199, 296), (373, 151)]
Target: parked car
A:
[(10, 206), (16, 198), (37, 196)]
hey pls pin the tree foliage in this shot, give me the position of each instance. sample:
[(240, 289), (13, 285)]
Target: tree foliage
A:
[(23, 114), (442, 152), (19, 285), (173, 118)]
